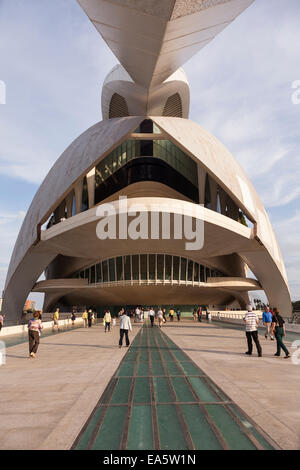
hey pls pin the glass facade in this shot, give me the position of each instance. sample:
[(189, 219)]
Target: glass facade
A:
[(162, 149), (151, 268)]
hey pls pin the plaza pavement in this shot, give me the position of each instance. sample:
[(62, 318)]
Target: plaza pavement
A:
[(266, 388), (44, 402)]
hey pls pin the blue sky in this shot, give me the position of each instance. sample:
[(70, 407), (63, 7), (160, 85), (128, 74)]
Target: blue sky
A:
[(53, 63)]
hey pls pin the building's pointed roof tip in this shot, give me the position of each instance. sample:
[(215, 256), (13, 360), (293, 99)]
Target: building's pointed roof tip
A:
[(153, 38)]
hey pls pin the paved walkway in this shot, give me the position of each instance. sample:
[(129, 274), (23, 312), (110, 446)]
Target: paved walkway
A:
[(266, 388), (44, 403)]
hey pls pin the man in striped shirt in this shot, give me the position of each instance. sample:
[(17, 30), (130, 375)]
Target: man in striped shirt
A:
[(251, 320)]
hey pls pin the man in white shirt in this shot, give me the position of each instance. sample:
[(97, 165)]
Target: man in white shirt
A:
[(151, 315), (251, 320), (125, 326)]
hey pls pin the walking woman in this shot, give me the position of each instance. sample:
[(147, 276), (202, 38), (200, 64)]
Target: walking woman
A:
[(278, 327), (34, 328)]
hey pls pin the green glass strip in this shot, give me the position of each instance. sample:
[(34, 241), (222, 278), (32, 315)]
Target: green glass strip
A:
[(173, 369), (202, 434), (157, 369), (191, 369), (86, 436), (162, 390), (140, 435), (229, 429), (143, 369), (105, 397), (170, 432), (126, 369), (259, 437), (202, 390), (110, 434), (182, 390), (122, 390), (142, 391)]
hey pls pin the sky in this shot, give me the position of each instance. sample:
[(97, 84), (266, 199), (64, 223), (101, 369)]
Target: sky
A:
[(53, 63)]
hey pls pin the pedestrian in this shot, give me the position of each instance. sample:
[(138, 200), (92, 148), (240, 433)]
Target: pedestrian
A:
[(137, 314), (73, 317), (114, 322), (125, 326), (278, 328), (164, 315), (251, 320), (93, 318), (160, 317), (194, 314), (40, 315), (34, 329), (85, 318), (199, 314), (267, 319), (1, 321), (151, 315), (178, 313), (171, 314), (56, 319), (107, 321), (90, 317)]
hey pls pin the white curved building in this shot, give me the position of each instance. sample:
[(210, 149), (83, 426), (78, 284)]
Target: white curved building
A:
[(148, 150)]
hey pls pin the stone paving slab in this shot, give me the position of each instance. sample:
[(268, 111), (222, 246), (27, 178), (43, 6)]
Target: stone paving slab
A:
[(266, 388), (44, 402)]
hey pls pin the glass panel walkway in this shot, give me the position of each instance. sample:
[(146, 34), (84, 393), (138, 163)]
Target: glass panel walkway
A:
[(159, 399)]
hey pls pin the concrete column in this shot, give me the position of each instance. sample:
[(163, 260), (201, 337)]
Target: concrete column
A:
[(213, 193), (78, 196), (201, 184), (91, 177), (69, 202)]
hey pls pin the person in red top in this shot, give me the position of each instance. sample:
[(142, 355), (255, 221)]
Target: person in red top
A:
[(34, 328)]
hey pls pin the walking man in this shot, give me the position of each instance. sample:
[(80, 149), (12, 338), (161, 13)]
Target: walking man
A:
[(151, 316), (90, 318), (171, 314), (199, 314), (267, 321), (251, 320), (85, 319), (125, 326), (278, 327), (178, 313)]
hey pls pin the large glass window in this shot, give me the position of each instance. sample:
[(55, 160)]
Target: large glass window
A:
[(175, 268), (152, 267), (146, 267), (119, 263), (183, 269), (85, 196), (168, 266), (112, 274), (105, 271), (127, 268), (135, 267)]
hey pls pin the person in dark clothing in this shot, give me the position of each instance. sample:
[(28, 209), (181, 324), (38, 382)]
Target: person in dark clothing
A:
[(90, 317), (199, 314), (278, 327)]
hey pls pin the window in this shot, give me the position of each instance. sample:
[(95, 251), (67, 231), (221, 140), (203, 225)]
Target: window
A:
[(119, 263), (183, 269), (168, 265), (175, 268), (152, 267), (135, 267), (112, 274), (105, 271), (160, 267)]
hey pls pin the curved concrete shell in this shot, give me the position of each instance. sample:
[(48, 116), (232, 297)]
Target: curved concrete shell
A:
[(223, 236)]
